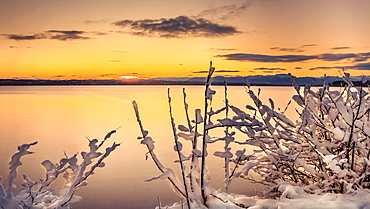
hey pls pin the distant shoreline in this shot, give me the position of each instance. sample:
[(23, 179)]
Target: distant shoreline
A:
[(10, 82), (275, 80)]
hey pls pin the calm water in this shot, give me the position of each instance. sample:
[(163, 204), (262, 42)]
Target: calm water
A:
[(60, 119)]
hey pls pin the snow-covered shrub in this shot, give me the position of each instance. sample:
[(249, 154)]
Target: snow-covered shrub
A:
[(194, 188), (38, 194), (325, 151)]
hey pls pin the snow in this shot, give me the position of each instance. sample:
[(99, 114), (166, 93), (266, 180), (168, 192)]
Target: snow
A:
[(320, 161), (37, 194)]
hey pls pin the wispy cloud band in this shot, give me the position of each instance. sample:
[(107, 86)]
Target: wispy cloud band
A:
[(61, 35), (355, 57), (360, 66)]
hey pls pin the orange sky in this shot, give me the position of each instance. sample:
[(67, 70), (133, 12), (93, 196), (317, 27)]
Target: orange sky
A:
[(82, 39)]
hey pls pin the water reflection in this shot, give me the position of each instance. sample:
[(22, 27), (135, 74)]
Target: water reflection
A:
[(61, 118)]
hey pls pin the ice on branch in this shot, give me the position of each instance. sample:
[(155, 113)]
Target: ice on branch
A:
[(38, 194), (322, 159)]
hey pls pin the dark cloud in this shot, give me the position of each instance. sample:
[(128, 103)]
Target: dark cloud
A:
[(340, 47), (203, 71), (362, 57), (360, 66), (359, 57), (269, 69), (108, 75), (325, 68), (287, 49), (219, 71), (59, 76), (221, 49), (178, 27), (98, 33), (88, 22), (298, 68), (25, 37), (61, 35), (66, 35), (227, 71), (225, 12), (308, 45), (267, 58), (336, 57), (296, 49)]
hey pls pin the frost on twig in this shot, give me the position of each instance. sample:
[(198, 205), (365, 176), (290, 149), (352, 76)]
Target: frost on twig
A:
[(38, 194), (325, 151)]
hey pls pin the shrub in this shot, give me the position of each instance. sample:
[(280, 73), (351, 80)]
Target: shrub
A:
[(38, 194), (325, 151)]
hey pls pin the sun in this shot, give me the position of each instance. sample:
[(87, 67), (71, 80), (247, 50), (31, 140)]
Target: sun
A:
[(129, 77)]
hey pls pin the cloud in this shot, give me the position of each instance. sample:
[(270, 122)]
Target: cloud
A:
[(107, 75), (325, 68), (340, 47), (98, 33), (308, 45), (362, 57), (225, 12), (266, 58), (298, 68), (227, 71), (88, 22), (287, 49), (203, 71), (269, 69), (219, 71), (297, 49), (59, 76), (66, 35), (360, 66), (220, 49), (178, 27), (336, 57), (24, 37), (61, 35), (355, 57)]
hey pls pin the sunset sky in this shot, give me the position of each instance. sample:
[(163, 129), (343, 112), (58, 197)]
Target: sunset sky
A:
[(83, 39)]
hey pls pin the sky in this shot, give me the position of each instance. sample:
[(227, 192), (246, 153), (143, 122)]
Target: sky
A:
[(95, 39)]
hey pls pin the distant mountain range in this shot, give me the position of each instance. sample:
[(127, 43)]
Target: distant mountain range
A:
[(256, 80)]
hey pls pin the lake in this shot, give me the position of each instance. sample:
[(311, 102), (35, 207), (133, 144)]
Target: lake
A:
[(61, 118)]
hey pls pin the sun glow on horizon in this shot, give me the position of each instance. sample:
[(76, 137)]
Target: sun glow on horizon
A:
[(129, 77)]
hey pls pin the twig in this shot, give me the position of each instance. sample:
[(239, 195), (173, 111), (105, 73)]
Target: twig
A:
[(205, 132), (154, 158), (178, 149)]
